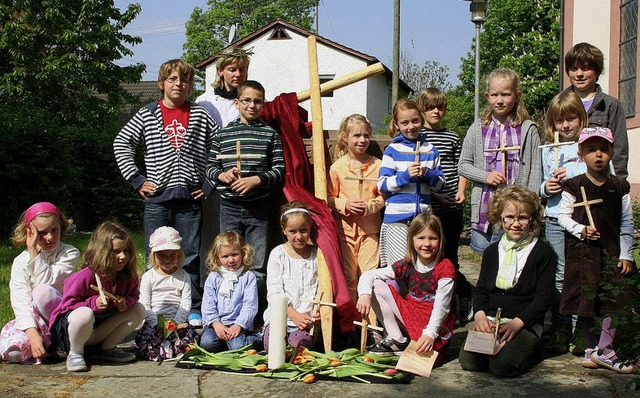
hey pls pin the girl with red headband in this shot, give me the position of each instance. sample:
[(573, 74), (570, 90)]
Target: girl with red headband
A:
[(37, 277)]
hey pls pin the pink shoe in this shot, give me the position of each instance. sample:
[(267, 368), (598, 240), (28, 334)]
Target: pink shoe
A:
[(610, 361), (586, 361)]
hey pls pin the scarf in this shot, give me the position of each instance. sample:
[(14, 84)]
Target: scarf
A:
[(507, 270), (229, 280), (230, 95), (491, 139)]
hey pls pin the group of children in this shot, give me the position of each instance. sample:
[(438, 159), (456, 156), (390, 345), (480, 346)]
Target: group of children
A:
[(420, 183)]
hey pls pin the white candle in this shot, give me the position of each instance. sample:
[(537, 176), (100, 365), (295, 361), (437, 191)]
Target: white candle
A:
[(277, 330)]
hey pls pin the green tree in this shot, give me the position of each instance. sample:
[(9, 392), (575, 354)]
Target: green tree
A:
[(58, 54), (431, 74), (522, 35), (61, 91), (208, 30)]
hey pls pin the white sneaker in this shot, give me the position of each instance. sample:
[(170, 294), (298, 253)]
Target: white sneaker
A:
[(76, 363)]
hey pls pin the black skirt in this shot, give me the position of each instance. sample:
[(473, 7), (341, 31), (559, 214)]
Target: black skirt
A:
[(60, 330)]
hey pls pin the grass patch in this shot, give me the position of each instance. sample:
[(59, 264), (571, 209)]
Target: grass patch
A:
[(79, 240), (470, 255)]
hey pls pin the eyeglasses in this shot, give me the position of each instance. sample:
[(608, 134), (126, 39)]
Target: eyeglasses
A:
[(177, 80), (248, 101), (522, 220)]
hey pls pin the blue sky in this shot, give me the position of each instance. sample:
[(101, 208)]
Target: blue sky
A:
[(433, 30)]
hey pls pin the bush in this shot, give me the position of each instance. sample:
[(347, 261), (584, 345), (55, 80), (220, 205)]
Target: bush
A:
[(46, 159)]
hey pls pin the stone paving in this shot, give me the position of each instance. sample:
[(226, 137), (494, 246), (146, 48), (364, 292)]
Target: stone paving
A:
[(559, 376)]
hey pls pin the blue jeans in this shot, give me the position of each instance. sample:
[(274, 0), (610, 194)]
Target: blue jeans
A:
[(212, 343), (555, 237), (480, 240), (185, 216), (252, 222)]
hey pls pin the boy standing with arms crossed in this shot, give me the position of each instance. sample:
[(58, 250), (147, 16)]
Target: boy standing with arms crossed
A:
[(256, 147), (177, 136), (584, 63)]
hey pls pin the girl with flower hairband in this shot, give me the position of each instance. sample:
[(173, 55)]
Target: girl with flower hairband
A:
[(292, 269), (37, 277)]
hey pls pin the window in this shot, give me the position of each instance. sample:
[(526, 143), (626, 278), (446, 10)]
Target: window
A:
[(324, 79), (628, 55), (279, 33)]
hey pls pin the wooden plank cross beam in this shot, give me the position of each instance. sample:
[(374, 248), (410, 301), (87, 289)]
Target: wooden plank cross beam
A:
[(320, 174), (238, 157), (587, 206), (320, 184), (504, 149), (556, 147)]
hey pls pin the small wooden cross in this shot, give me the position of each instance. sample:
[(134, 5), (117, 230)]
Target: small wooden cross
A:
[(238, 157), (504, 149), (317, 304), (587, 206), (361, 181), (365, 326), (417, 152), (556, 147)]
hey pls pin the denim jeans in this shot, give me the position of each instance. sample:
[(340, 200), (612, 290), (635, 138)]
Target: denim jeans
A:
[(252, 222), (212, 343), (555, 237), (185, 216), (480, 240)]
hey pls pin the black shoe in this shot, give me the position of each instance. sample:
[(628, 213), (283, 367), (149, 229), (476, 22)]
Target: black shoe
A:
[(115, 354), (577, 344), (388, 346), (465, 310), (560, 336)]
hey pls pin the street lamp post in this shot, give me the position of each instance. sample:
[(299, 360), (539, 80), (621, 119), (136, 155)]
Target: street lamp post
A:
[(478, 10)]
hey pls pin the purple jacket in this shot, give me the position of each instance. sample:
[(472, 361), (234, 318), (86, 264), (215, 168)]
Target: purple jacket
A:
[(78, 293)]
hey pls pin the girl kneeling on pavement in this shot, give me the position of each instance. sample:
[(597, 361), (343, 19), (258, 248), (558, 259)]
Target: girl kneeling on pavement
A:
[(85, 317), (517, 276)]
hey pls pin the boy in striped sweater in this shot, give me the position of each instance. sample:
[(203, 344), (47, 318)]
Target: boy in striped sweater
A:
[(449, 202), (246, 161), (177, 136)]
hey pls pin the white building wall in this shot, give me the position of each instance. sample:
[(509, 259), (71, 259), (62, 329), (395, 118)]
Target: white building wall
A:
[(378, 102), (282, 66), (592, 24)]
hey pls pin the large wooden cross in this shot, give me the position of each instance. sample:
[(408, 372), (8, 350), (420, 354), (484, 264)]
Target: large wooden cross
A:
[(504, 149), (556, 147), (587, 206), (315, 92)]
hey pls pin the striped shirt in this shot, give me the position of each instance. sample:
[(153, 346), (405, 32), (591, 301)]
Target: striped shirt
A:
[(266, 158), (449, 148), (407, 196), (175, 173)]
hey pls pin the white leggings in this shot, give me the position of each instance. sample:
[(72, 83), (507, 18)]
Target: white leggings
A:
[(110, 332), (387, 310), (45, 299)]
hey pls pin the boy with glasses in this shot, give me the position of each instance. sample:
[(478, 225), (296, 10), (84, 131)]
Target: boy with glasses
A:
[(177, 136), (246, 161)]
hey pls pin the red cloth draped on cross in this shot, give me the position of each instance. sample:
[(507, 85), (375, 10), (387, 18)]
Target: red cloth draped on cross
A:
[(284, 115)]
